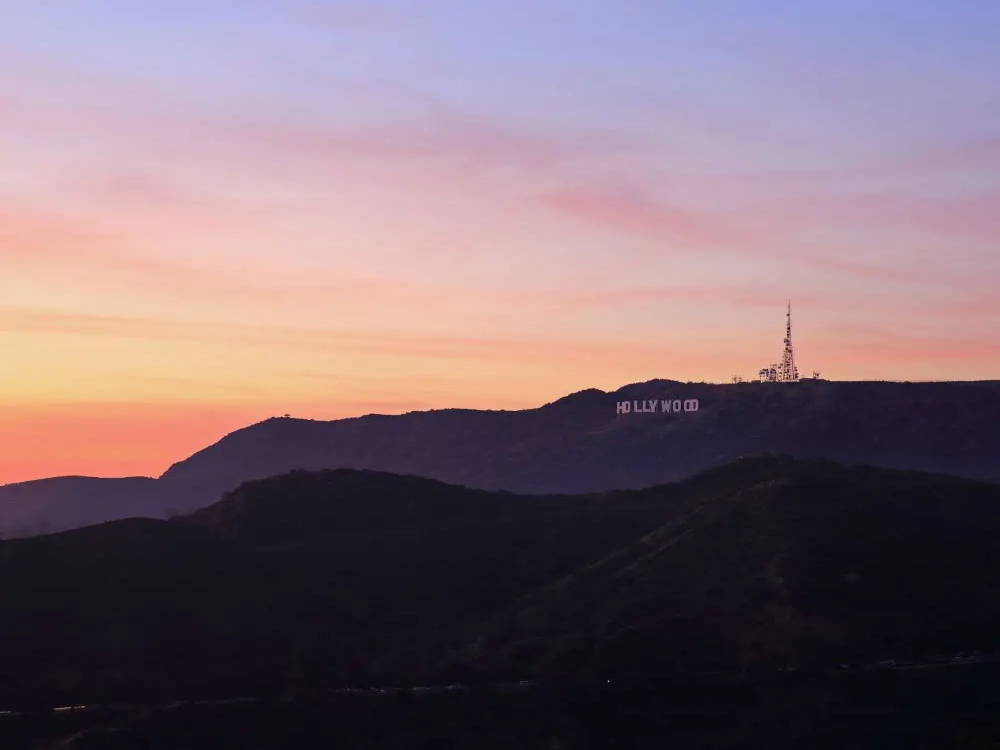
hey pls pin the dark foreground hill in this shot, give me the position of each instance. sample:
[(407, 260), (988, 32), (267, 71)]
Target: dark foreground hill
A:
[(777, 563), (318, 580), (576, 444), (944, 707)]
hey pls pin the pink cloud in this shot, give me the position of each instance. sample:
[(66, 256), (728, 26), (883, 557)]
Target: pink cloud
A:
[(778, 228), (54, 246), (716, 294), (898, 346), (975, 217), (969, 154), (637, 213), (328, 339)]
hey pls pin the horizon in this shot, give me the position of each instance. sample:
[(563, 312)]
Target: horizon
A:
[(215, 213), (189, 451)]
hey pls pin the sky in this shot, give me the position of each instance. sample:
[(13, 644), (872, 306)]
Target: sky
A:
[(215, 212)]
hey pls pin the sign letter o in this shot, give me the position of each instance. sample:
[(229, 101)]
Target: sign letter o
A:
[(691, 404)]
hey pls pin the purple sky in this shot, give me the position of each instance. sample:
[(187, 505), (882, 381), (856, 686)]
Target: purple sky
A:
[(216, 211)]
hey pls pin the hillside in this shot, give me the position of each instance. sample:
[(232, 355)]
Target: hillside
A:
[(47, 505), (781, 563), (576, 444), (580, 444), (319, 579), (307, 578)]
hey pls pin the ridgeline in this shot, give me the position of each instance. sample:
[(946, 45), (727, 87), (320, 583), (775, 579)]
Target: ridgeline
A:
[(576, 444)]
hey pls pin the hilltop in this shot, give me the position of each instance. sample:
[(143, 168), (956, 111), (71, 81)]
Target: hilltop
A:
[(575, 444)]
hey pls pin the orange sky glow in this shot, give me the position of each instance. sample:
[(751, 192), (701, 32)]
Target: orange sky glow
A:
[(378, 221)]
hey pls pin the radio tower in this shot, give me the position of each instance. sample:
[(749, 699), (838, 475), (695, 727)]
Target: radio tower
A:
[(787, 371)]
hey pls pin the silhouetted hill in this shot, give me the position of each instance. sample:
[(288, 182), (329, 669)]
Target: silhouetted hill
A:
[(580, 444), (780, 562), (307, 577), (47, 505), (318, 579)]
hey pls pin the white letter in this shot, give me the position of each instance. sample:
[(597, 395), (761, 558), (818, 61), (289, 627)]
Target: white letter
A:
[(691, 404), (622, 407), (677, 404), (665, 403)]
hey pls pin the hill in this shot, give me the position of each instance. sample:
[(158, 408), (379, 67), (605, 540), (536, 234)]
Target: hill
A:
[(307, 578), (47, 505), (319, 579), (780, 562), (580, 444)]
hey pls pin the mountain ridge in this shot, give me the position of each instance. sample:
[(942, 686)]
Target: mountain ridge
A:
[(313, 580), (578, 443)]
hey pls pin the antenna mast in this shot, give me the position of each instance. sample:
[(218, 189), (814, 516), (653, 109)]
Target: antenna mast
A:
[(788, 372), (784, 371)]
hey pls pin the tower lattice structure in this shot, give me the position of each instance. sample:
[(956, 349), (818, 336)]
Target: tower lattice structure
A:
[(787, 371), (784, 371)]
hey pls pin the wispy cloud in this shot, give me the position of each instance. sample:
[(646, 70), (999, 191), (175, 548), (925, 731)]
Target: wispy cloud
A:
[(436, 203), (317, 340)]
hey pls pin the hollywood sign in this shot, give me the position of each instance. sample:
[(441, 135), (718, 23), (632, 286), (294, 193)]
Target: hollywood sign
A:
[(657, 406)]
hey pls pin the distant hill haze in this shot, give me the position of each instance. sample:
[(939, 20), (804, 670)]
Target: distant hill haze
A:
[(313, 580), (47, 505), (579, 443)]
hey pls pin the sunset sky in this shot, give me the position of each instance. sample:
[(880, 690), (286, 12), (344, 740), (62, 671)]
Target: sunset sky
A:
[(214, 212)]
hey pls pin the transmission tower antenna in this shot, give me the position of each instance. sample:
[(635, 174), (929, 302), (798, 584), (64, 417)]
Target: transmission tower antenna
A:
[(787, 372)]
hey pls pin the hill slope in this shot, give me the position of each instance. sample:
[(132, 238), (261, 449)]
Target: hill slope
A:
[(783, 563), (311, 578), (47, 505), (580, 444), (316, 579)]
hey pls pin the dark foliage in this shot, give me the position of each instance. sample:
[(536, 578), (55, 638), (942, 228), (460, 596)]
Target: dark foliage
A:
[(309, 581), (946, 708), (777, 563)]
